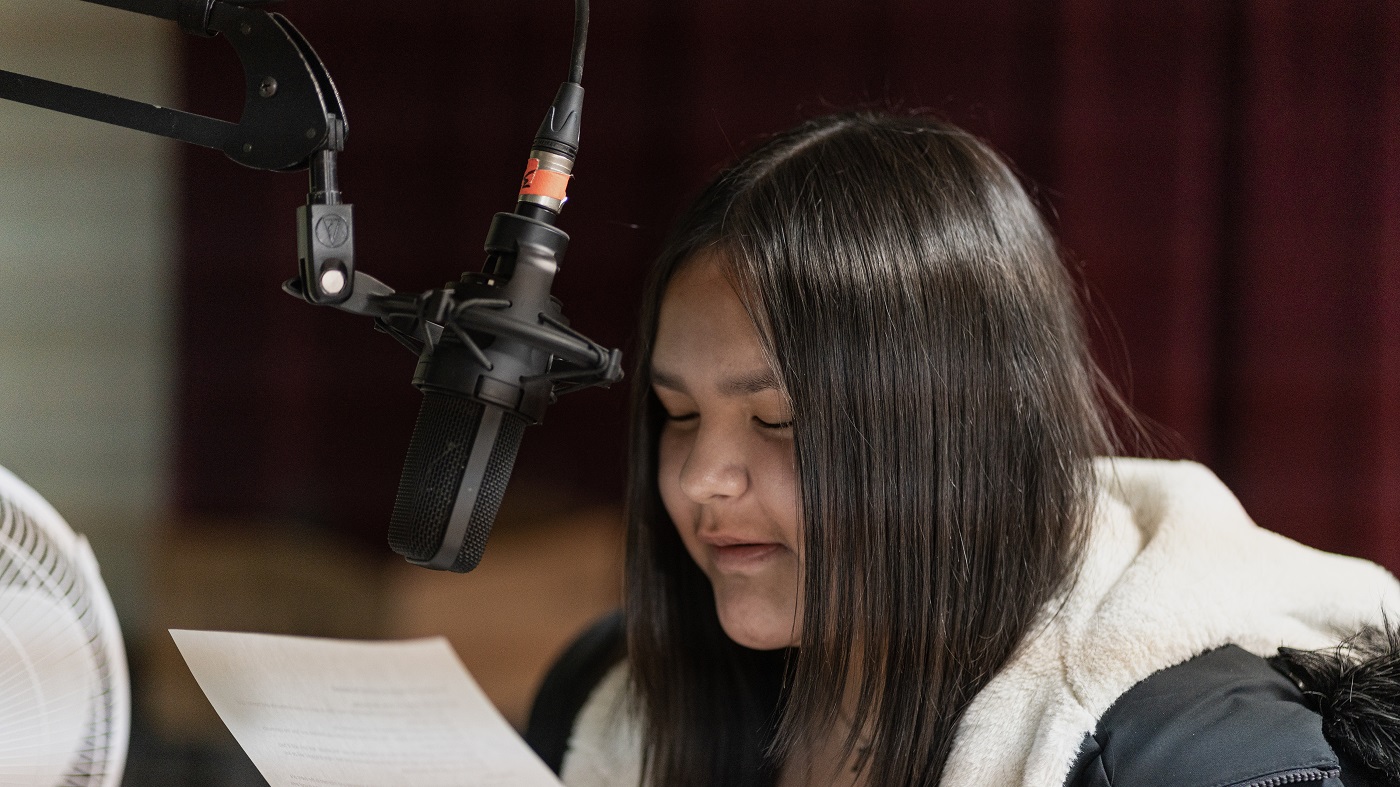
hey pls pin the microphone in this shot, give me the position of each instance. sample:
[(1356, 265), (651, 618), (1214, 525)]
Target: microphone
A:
[(494, 349), (481, 388), (491, 373)]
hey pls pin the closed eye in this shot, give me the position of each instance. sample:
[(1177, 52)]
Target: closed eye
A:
[(766, 425), (682, 416)]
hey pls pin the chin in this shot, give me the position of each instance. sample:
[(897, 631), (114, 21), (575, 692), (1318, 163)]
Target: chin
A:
[(758, 625)]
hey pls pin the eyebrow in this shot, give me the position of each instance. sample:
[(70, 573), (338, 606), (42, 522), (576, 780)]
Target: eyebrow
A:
[(738, 385)]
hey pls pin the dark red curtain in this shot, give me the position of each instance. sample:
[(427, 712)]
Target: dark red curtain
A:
[(1225, 176)]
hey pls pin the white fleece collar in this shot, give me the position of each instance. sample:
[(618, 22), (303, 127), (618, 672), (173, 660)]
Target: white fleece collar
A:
[(1174, 568)]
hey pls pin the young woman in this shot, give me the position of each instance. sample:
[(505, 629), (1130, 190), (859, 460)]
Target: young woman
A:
[(871, 542)]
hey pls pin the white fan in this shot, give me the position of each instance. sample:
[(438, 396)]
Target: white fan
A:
[(65, 697)]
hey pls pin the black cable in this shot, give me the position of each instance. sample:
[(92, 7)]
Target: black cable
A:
[(580, 41)]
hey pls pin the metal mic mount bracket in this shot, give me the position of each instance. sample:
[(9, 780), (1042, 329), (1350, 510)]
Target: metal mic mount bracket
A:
[(325, 237)]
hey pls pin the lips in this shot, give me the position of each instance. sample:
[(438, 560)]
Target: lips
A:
[(740, 556)]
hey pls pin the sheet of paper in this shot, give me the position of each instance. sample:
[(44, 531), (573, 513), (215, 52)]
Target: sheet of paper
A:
[(338, 713)]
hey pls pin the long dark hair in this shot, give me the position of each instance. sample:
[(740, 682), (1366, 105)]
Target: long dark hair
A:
[(918, 315)]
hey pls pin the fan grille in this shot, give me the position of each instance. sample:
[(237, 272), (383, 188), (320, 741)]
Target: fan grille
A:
[(33, 566)]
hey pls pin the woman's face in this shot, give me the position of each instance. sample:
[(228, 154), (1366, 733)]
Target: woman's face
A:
[(726, 465)]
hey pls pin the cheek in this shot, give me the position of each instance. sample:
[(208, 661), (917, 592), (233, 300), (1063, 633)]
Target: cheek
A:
[(775, 479), (670, 460)]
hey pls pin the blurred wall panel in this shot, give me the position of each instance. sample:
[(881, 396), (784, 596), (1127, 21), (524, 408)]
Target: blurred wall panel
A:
[(86, 295)]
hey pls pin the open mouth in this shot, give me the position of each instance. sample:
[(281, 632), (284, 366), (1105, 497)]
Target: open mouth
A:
[(739, 556)]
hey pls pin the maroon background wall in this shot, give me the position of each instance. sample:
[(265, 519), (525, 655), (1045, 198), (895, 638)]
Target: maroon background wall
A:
[(1226, 177)]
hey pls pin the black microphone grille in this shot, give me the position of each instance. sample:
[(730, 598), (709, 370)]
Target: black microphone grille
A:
[(492, 488), (460, 457)]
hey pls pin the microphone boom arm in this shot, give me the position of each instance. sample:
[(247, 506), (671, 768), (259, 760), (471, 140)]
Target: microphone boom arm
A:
[(291, 108)]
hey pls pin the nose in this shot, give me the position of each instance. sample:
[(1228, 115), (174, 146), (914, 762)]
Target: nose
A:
[(715, 468)]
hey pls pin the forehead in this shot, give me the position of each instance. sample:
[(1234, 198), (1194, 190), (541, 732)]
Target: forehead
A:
[(703, 330)]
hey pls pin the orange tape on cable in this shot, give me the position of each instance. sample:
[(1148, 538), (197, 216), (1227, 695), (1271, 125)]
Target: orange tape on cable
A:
[(544, 182)]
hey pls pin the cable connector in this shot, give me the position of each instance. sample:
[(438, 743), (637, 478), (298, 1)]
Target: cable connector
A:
[(544, 188), (559, 132)]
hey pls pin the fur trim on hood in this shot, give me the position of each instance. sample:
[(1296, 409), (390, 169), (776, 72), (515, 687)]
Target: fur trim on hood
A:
[(1356, 688)]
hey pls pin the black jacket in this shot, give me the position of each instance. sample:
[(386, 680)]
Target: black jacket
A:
[(1226, 717)]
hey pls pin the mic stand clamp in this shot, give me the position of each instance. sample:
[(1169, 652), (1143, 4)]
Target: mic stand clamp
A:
[(326, 231)]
